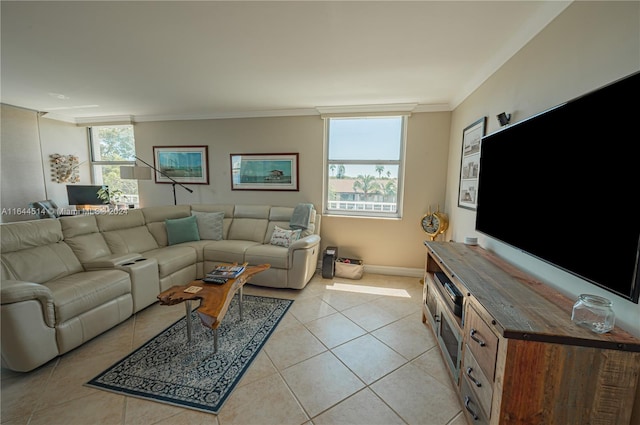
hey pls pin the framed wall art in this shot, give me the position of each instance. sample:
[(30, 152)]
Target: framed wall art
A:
[(184, 164), (251, 171), (470, 164)]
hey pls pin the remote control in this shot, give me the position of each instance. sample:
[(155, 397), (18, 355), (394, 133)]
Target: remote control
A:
[(216, 280)]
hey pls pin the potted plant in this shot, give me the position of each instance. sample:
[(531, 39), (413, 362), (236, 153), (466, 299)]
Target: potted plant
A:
[(109, 196)]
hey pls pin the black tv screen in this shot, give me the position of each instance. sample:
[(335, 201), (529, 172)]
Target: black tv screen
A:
[(563, 186), (84, 195)]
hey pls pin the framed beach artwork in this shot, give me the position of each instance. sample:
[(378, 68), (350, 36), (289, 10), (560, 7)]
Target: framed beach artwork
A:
[(470, 164), (252, 171), (184, 164)]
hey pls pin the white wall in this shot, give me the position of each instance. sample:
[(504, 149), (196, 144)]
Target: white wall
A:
[(589, 45), (21, 165), (27, 142), (382, 243), (64, 139), (227, 136)]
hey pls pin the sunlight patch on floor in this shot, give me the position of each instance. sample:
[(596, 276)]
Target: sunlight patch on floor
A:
[(364, 289)]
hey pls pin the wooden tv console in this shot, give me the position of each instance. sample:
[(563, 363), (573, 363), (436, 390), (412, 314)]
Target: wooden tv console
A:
[(513, 352)]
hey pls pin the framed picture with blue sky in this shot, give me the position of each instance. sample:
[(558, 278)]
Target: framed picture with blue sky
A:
[(264, 171), (184, 164)]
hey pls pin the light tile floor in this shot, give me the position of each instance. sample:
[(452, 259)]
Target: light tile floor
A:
[(347, 352)]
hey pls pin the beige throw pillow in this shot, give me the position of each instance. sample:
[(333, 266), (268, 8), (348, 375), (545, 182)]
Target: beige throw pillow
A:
[(210, 224), (283, 237)]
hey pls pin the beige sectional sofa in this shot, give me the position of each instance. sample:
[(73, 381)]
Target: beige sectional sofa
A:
[(65, 281)]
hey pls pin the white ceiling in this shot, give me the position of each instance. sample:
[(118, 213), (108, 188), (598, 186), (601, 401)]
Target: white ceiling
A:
[(156, 60)]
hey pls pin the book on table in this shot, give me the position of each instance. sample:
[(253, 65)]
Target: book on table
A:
[(227, 271)]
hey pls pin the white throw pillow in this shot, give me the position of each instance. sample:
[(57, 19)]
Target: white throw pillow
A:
[(283, 237), (210, 224)]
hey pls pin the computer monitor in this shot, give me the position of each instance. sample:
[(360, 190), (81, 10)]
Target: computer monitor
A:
[(84, 195)]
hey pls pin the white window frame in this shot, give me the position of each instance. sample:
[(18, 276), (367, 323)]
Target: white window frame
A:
[(364, 211), (97, 163)]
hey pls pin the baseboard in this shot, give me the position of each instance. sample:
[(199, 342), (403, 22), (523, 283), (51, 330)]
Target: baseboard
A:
[(390, 270), (394, 271)]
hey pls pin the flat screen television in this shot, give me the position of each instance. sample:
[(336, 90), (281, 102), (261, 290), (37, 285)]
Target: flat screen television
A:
[(563, 186), (84, 195)]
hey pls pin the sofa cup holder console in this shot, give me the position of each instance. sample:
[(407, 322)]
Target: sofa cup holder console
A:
[(131, 263), (145, 283)]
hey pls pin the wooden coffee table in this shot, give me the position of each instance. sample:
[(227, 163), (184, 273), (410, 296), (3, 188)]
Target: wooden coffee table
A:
[(214, 299)]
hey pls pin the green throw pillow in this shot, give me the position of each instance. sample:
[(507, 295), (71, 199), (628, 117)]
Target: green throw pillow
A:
[(182, 230)]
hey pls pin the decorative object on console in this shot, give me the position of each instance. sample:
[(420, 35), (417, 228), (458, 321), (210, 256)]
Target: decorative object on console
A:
[(264, 171), (503, 118), (594, 313), (470, 240), (64, 168), (470, 164), (435, 223)]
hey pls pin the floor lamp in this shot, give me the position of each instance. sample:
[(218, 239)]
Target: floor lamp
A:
[(144, 173)]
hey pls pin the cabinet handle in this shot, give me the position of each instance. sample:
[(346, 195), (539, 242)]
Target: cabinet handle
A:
[(474, 415), (473, 336), (474, 380)]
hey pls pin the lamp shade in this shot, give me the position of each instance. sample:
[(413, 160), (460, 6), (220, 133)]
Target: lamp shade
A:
[(135, 173)]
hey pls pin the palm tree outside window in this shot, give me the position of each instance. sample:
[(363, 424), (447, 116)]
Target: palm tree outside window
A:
[(365, 159)]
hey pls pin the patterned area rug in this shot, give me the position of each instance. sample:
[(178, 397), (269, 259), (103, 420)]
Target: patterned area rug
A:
[(168, 369)]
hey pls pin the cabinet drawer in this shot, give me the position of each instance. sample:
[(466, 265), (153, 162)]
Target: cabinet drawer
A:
[(480, 385), (471, 406), (482, 342)]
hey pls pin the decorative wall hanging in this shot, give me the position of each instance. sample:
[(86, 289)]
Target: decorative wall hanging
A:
[(64, 168), (470, 164), (182, 164), (250, 171)]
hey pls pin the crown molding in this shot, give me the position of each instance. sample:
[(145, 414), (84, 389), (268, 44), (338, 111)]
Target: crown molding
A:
[(228, 115), (109, 120), (58, 117), (402, 108), (380, 109), (435, 107)]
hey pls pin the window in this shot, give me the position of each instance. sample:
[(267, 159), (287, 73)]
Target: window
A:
[(111, 147), (364, 171)]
